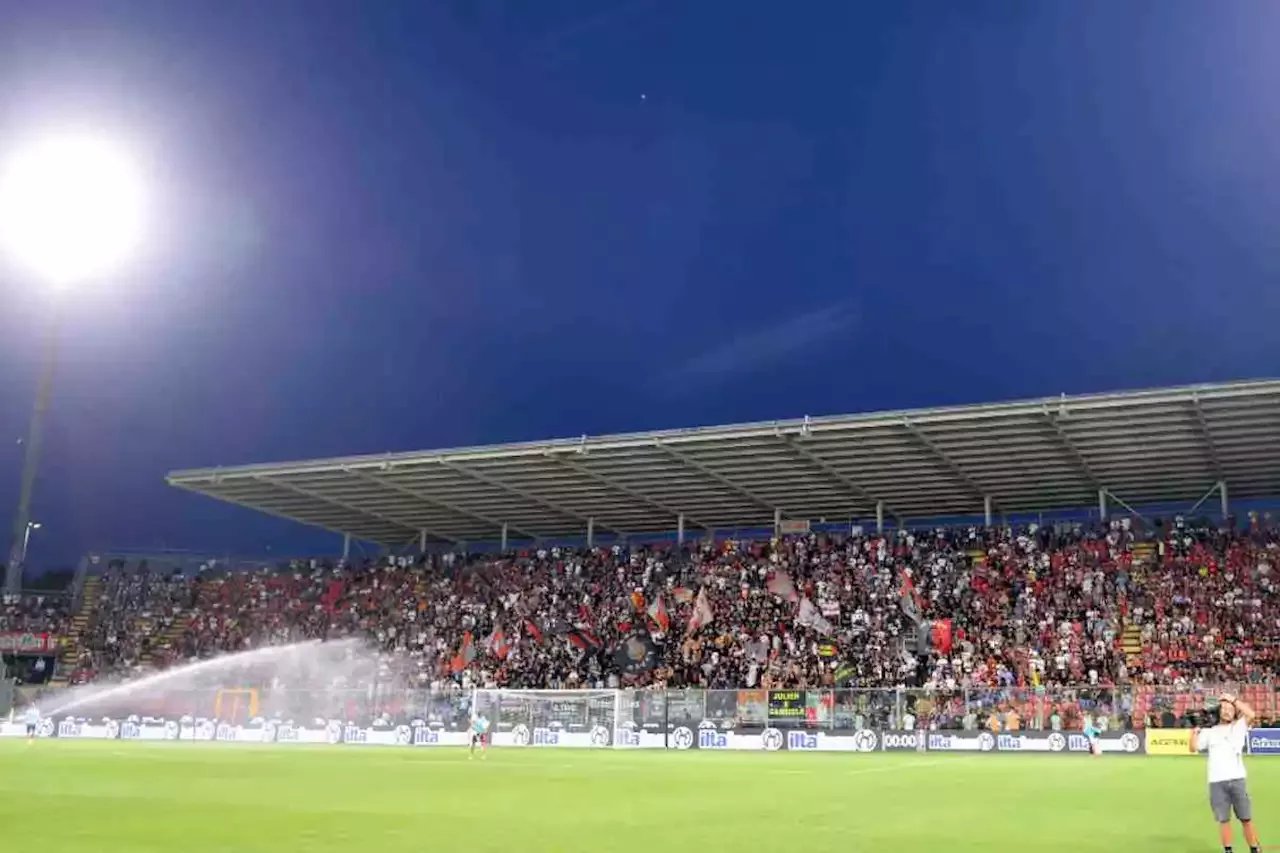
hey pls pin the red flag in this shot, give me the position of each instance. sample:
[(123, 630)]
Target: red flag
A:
[(584, 639), (909, 591), (637, 600), (466, 654), (498, 644), (534, 630), (658, 613), (942, 636)]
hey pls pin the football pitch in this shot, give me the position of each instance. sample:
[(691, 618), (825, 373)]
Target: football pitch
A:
[(59, 797)]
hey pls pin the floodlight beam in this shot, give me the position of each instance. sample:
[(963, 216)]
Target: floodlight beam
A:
[(31, 454)]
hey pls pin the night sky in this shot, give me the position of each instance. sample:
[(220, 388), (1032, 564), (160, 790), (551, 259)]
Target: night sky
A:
[(404, 225)]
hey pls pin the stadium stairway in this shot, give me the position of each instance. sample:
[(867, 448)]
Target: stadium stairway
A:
[(1131, 638), (173, 634), (79, 627), (1131, 642)]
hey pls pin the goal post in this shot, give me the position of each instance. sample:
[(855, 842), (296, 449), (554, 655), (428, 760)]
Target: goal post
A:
[(585, 718), (235, 706)]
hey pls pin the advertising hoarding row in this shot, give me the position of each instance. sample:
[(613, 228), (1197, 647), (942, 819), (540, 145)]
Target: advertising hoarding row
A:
[(703, 736)]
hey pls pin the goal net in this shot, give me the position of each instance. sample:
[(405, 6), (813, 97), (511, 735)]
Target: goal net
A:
[(235, 706), (550, 717)]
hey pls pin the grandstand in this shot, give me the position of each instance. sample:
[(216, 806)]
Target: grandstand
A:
[(1179, 447)]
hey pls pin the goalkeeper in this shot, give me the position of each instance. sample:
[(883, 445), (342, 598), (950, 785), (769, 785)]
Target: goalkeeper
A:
[(479, 735)]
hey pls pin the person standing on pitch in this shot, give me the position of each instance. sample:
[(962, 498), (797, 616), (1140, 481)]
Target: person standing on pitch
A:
[(32, 719), (479, 735), (1228, 791)]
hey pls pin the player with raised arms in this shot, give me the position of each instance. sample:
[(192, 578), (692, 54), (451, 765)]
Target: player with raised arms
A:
[(1228, 791), (480, 735), (1093, 735)]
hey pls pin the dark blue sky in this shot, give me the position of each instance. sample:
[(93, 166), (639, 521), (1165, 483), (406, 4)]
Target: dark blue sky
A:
[(390, 226)]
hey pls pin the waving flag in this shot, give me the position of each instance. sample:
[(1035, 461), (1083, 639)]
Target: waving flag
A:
[(466, 654), (910, 598), (498, 645), (658, 613), (702, 614), (811, 617), (942, 636), (583, 639), (781, 585)]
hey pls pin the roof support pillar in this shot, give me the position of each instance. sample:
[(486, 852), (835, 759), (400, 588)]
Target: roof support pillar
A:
[(591, 532), (422, 541), (879, 517), (1102, 504), (986, 510), (680, 529), (346, 547), (777, 522), (1226, 505), (504, 537)]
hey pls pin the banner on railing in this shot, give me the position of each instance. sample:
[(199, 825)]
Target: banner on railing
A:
[(13, 643)]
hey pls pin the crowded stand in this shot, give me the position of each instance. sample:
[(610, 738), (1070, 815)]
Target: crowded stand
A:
[(1000, 612), (34, 613)]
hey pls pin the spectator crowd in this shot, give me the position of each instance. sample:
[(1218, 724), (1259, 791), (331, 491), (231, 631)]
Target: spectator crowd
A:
[(949, 609)]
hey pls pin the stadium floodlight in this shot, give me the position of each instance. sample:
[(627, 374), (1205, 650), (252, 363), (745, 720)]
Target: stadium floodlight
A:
[(72, 208), (26, 537)]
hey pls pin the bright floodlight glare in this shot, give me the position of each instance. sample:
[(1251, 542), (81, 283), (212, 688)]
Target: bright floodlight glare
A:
[(71, 208)]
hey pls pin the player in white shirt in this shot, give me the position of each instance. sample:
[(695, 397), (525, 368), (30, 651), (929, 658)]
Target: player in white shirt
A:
[(1228, 791), (32, 720)]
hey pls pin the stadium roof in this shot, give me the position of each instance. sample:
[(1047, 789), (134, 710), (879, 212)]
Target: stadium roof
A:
[(1146, 447)]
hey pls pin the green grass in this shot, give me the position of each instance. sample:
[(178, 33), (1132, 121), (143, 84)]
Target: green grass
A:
[(134, 798)]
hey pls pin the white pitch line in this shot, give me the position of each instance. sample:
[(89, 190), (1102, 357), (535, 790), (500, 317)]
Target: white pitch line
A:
[(866, 770)]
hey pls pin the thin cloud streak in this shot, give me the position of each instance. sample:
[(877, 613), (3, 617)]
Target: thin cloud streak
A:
[(765, 347)]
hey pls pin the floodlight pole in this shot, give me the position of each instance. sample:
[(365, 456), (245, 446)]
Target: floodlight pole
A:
[(35, 441)]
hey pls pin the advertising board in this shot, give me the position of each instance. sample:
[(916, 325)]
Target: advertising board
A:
[(704, 735), (1053, 743), (1168, 741), (1264, 741), (14, 643)]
